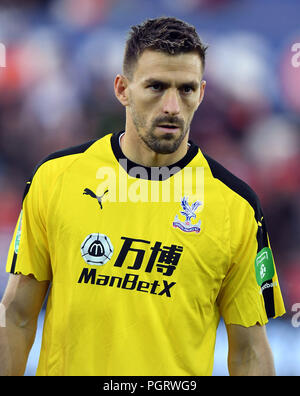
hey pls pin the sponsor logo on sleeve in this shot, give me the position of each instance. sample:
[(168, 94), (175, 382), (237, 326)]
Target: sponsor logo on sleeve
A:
[(264, 266), (18, 234)]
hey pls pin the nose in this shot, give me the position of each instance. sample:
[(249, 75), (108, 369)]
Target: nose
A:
[(171, 102)]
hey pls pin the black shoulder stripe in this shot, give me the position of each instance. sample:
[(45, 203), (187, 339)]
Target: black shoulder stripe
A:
[(26, 189), (57, 154), (62, 153), (234, 183), (245, 191)]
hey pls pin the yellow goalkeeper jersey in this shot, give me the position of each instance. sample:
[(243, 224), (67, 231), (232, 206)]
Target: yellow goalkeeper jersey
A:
[(142, 261)]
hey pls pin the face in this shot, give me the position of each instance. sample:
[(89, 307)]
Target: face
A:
[(162, 97)]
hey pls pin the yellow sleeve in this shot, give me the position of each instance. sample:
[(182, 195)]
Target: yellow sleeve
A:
[(28, 252), (250, 292)]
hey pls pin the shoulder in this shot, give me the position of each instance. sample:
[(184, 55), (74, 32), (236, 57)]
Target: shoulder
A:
[(233, 185), (56, 163), (67, 154)]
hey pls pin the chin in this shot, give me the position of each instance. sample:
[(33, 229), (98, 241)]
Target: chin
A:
[(166, 143), (165, 147)]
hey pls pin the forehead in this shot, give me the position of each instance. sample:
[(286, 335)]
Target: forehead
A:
[(159, 65)]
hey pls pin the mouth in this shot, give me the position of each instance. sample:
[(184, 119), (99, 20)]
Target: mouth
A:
[(170, 128)]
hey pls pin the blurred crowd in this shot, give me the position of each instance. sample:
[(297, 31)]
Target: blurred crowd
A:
[(57, 91)]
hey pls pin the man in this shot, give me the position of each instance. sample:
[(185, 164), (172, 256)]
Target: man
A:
[(145, 240)]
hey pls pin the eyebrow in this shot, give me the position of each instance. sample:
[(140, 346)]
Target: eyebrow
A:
[(152, 81)]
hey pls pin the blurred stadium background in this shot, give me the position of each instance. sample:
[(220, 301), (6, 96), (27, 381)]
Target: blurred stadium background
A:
[(57, 90)]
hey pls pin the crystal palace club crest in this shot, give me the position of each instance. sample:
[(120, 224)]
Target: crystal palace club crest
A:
[(189, 213)]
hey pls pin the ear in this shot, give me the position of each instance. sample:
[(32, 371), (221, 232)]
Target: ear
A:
[(121, 92), (202, 90)]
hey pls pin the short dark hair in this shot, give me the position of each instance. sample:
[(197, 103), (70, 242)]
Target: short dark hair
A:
[(166, 34)]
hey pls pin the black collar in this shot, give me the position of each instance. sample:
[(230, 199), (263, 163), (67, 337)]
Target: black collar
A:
[(147, 172)]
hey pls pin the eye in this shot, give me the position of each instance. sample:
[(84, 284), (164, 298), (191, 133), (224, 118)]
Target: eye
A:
[(187, 89), (157, 87)]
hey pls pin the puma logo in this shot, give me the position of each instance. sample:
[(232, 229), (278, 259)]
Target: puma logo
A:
[(89, 192)]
